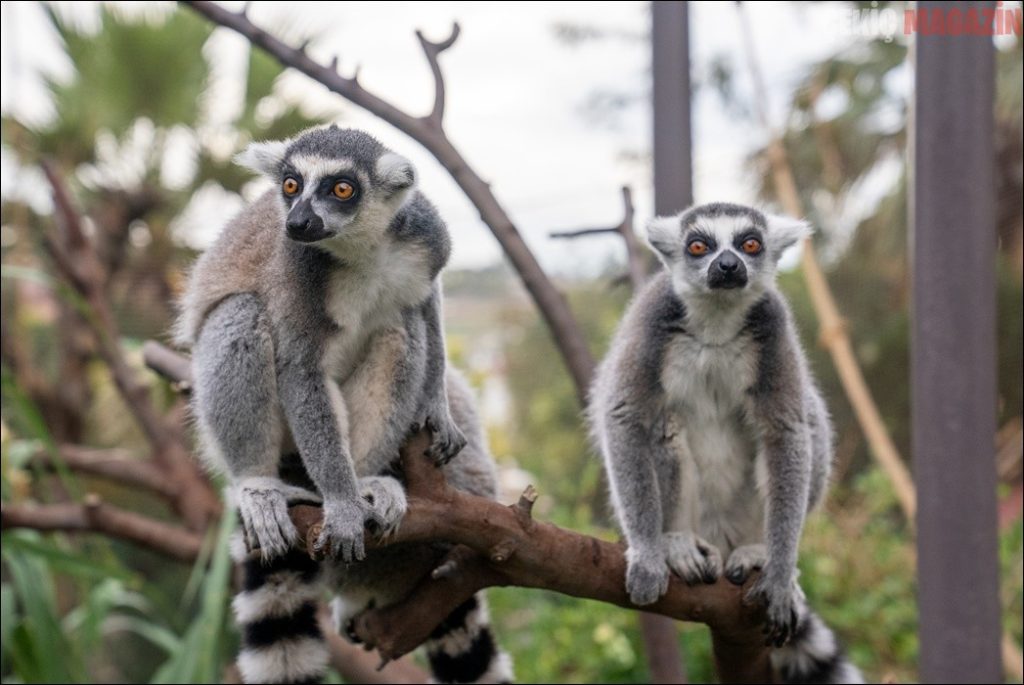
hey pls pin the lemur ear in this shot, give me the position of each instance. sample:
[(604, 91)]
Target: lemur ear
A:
[(396, 172), (664, 235), (784, 232), (264, 157)]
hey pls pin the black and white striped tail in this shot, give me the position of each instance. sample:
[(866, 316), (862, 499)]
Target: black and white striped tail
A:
[(814, 655), (276, 615), (462, 648)]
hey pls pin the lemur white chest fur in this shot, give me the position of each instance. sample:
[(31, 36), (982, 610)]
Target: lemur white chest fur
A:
[(368, 296), (706, 395)]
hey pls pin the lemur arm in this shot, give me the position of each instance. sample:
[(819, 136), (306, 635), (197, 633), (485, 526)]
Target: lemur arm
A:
[(448, 440), (629, 455), (779, 412), (316, 415), (634, 483)]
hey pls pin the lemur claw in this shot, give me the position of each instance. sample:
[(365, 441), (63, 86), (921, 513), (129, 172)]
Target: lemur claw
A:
[(781, 609), (447, 440)]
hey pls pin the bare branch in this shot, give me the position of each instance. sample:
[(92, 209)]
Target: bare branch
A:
[(553, 306), (96, 516), (432, 50), (635, 257), (78, 263), (114, 464), (169, 364), (584, 232)]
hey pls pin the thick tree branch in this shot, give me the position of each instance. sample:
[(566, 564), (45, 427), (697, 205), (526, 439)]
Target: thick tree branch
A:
[(77, 262), (553, 306), (499, 546), (94, 515), (114, 464)]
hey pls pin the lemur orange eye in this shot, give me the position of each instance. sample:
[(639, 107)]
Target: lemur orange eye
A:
[(697, 248), (290, 186), (751, 246), (343, 190)]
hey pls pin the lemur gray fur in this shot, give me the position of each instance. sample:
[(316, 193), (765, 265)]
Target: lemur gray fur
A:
[(315, 326), (715, 438)]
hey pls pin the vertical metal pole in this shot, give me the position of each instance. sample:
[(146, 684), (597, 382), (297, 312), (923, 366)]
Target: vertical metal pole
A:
[(953, 354), (673, 175), (670, 42)]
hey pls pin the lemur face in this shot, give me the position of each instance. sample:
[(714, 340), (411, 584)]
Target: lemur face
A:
[(717, 248), (336, 185)]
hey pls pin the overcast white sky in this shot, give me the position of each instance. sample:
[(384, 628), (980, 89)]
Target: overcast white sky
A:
[(516, 100)]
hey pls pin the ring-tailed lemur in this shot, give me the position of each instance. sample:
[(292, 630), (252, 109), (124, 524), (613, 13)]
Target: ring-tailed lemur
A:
[(714, 436), (315, 325)]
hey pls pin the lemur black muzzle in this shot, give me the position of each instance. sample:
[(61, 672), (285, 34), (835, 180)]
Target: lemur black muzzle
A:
[(304, 225), (727, 272)]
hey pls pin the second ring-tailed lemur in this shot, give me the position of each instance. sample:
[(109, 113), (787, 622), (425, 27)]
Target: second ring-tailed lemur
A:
[(315, 326), (715, 439)]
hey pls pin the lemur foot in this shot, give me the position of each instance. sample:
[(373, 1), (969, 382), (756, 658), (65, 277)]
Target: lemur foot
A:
[(743, 561), (647, 575), (263, 507), (342, 534), (447, 439), (385, 499), (692, 558), (782, 602)]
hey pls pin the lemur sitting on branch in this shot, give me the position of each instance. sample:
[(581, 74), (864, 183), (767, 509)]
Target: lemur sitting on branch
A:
[(714, 435), (315, 325)]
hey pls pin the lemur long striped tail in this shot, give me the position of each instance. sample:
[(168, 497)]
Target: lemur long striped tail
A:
[(462, 648), (814, 655), (276, 615)]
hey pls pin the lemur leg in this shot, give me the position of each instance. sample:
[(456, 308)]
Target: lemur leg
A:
[(632, 458), (376, 404), (239, 417), (448, 439), (377, 398), (690, 557)]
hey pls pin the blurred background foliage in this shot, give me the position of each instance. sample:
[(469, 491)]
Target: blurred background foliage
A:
[(90, 609)]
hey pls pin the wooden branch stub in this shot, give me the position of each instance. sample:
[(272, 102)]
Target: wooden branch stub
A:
[(524, 507), (446, 569), (501, 552), (174, 367)]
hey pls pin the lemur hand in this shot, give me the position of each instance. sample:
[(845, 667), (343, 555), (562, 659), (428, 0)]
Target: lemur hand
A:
[(647, 575), (692, 558), (782, 600), (263, 508), (447, 439), (386, 504), (342, 533)]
